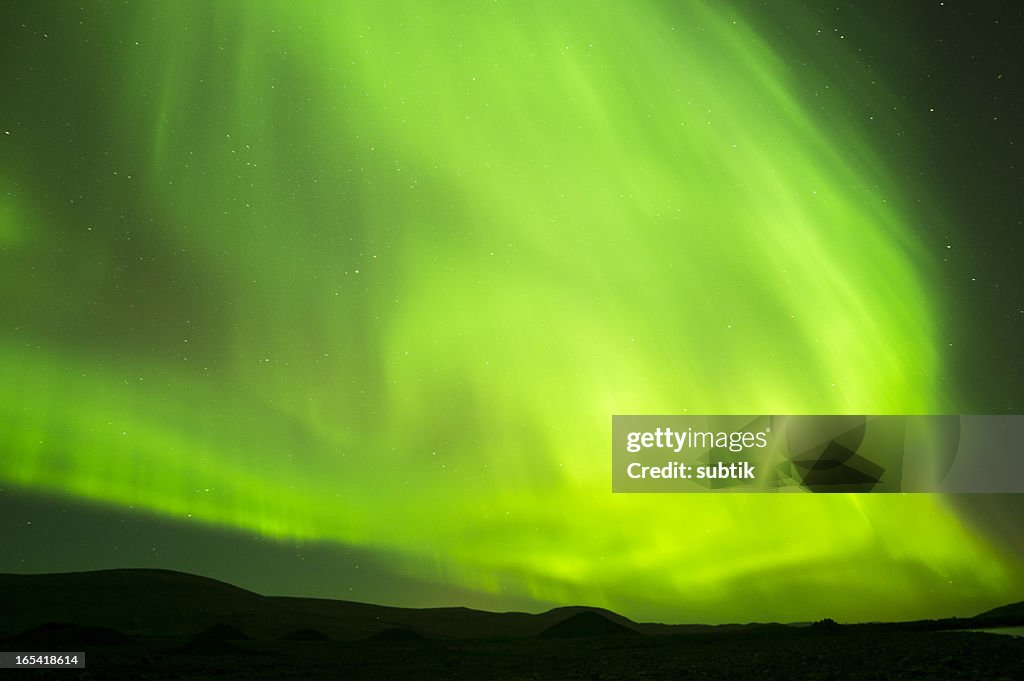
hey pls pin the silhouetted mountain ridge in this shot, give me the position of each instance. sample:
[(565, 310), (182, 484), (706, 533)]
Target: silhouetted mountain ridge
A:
[(1009, 610), (163, 603), (585, 624)]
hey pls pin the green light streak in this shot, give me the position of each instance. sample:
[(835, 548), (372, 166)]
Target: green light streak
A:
[(440, 247)]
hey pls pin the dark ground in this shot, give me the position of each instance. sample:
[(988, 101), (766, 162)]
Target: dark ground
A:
[(157, 624), (889, 655)]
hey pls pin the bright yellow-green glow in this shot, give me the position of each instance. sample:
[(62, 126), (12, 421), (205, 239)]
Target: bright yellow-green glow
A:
[(441, 246)]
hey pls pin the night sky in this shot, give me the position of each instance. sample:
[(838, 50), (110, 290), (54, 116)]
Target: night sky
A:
[(338, 298)]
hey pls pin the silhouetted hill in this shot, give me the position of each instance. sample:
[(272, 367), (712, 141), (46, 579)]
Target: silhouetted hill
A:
[(167, 604), (305, 635), (585, 624), (136, 602), (55, 635), (164, 603), (1015, 610)]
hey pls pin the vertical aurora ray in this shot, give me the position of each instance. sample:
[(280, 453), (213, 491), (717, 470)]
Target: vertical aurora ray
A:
[(403, 262)]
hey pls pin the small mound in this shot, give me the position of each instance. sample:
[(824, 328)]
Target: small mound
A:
[(305, 635), (64, 635), (586, 624), (827, 626), (221, 632), (396, 635)]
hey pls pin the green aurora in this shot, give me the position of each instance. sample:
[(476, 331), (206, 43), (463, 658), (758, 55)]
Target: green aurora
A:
[(378, 275)]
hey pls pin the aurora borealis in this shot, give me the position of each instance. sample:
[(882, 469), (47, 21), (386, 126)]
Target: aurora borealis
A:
[(377, 275)]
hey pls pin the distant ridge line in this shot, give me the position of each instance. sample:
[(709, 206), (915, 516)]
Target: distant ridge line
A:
[(156, 602)]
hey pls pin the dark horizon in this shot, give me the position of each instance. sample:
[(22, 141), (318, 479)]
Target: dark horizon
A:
[(147, 591)]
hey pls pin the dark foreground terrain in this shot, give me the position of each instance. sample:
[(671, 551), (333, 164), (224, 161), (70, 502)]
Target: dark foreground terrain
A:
[(157, 624), (889, 655)]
